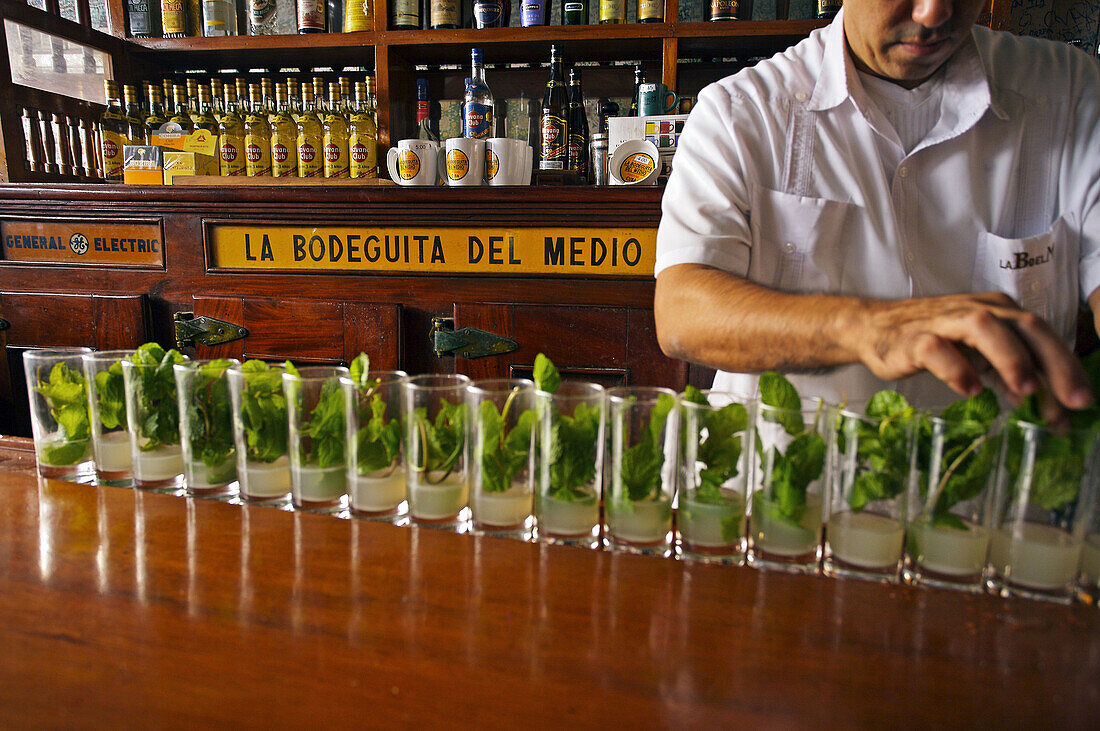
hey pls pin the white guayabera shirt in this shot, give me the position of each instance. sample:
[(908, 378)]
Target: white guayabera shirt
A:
[(788, 174)]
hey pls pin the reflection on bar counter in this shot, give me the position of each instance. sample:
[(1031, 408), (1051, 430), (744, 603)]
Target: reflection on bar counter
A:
[(704, 476)]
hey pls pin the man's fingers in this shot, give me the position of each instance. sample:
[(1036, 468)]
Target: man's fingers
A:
[(1001, 345), (1058, 366), (943, 360)]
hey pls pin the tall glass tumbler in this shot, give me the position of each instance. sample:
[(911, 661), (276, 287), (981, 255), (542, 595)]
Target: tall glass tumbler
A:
[(60, 424), (206, 426), (641, 485), (107, 409), (500, 455), (316, 435), (152, 408), (376, 463), (260, 432), (435, 436), (715, 459), (867, 496), (786, 509), (569, 454), (1043, 502), (951, 474)]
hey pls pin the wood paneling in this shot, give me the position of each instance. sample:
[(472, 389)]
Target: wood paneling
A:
[(120, 321), (496, 319), (297, 329), (39, 319), (375, 330), (649, 366)]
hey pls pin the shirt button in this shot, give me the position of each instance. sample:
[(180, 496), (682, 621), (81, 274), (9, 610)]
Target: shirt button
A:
[(909, 256), (1035, 286), (789, 247), (801, 96), (903, 172)]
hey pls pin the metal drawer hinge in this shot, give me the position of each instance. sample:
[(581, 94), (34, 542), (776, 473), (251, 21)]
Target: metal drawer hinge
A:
[(191, 330), (468, 342)]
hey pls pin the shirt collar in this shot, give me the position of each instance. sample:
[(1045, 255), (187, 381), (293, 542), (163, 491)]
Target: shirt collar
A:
[(966, 76)]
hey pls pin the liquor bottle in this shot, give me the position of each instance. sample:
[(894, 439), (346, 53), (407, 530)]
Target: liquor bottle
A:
[(217, 94), (346, 103), (156, 117), (358, 15), (478, 118), (192, 97), (181, 115), (143, 20), (242, 96), (372, 99), (319, 104), (257, 136), (284, 137), (405, 15), (219, 18), (112, 133), (336, 136), (133, 115), (310, 138), (265, 16), (423, 109), (612, 11), (490, 13), (173, 18), (205, 118), (726, 10), (577, 122), (828, 8), (554, 126), (651, 11), (445, 13), (311, 16), (231, 154), (534, 12), (267, 88), (294, 98), (574, 12), (334, 16), (639, 79), (362, 136)]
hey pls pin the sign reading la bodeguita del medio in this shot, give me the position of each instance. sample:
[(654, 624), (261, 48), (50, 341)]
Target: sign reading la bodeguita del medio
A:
[(436, 250), (82, 242)]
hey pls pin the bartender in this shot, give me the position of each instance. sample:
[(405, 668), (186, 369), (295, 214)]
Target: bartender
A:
[(902, 200)]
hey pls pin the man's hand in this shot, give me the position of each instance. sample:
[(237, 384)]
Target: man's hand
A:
[(959, 338)]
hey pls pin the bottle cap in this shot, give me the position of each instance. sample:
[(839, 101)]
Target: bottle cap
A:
[(475, 55)]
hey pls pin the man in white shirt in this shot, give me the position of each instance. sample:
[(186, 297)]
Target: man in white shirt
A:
[(903, 199)]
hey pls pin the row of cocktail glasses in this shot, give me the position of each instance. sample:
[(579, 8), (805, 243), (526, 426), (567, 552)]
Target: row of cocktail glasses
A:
[(952, 501)]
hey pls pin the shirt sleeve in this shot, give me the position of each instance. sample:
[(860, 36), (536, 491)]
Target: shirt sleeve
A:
[(1081, 173), (704, 211)]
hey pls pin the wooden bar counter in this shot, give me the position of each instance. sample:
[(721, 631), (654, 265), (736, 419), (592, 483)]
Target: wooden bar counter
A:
[(125, 608)]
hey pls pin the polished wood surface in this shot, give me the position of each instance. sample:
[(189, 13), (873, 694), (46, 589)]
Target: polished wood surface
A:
[(122, 607)]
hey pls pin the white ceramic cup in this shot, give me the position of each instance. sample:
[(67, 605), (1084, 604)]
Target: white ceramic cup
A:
[(413, 162), (507, 161), (463, 162)]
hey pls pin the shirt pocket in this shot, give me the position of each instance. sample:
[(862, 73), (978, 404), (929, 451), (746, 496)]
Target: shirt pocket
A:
[(1039, 272), (796, 241)]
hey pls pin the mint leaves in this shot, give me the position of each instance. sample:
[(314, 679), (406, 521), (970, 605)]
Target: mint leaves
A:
[(156, 391), (440, 441), (968, 454), (640, 472), (546, 374), (111, 397), (324, 427), (378, 440), (66, 394), (209, 420), (720, 451), (793, 469), (571, 451), (881, 461), (263, 411), (502, 453)]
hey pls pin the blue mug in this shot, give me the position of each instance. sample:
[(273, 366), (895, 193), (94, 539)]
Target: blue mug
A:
[(656, 98)]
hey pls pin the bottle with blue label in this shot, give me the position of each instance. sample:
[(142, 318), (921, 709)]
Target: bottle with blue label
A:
[(478, 119), (534, 12), (491, 13)]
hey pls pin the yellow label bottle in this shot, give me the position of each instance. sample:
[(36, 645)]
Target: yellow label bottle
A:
[(257, 136), (173, 15), (231, 136), (310, 138), (358, 15), (336, 137), (284, 138), (612, 11), (362, 136)]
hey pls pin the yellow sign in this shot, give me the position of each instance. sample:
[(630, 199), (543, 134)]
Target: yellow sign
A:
[(83, 243), (437, 250)]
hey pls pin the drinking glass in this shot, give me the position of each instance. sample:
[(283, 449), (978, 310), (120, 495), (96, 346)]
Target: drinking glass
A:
[(152, 407), (435, 435), (500, 435), (867, 497), (58, 394), (1044, 496), (786, 509), (316, 436), (642, 462), (260, 432), (376, 465), (569, 454), (715, 451), (951, 470), (107, 409), (206, 427), (1088, 583)]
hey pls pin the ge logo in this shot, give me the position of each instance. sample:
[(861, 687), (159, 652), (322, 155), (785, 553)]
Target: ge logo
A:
[(79, 244)]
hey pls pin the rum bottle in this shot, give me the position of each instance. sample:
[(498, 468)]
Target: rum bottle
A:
[(133, 116), (231, 136), (828, 8), (651, 11), (156, 116), (310, 138), (336, 136), (112, 133), (577, 122), (612, 11), (205, 118), (311, 16), (554, 126), (362, 136), (257, 136), (284, 137), (181, 116), (173, 18), (478, 119)]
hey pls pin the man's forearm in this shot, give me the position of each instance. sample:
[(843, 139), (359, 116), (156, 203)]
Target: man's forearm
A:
[(712, 317)]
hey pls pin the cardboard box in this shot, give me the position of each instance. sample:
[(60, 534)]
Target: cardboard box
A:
[(192, 153), (177, 163), (142, 165)]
